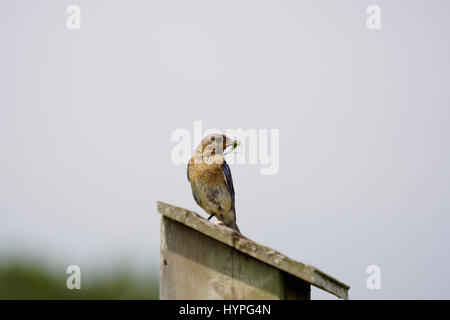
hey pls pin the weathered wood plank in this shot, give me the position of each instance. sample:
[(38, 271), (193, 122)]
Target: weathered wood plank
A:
[(262, 253), (195, 266)]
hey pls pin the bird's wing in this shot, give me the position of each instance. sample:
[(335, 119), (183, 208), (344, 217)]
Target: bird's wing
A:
[(227, 173)]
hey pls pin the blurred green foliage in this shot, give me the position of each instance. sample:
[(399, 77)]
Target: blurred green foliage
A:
[(30, 280)]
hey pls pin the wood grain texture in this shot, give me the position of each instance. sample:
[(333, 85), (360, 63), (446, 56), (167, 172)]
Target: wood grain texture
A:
[(237, 267), (195, 266)]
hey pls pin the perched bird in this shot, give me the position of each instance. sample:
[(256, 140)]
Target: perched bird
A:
[(211, 181)]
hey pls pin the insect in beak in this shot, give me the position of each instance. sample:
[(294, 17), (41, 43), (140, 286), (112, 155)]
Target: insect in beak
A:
[(231, 146)]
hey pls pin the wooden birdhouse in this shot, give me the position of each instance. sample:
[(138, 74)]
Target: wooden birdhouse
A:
[(200, 260)]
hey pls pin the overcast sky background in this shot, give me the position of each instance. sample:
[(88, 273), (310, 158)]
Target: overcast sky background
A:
[(86, 119)]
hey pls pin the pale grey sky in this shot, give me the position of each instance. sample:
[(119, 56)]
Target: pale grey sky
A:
[(86, 118)]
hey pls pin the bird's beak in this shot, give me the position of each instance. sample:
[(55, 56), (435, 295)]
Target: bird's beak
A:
[(231, 145)]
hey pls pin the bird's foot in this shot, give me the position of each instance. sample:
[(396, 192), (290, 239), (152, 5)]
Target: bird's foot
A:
[(218, 223)]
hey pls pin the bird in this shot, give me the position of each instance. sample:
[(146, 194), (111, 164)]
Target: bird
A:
[(211, 180)]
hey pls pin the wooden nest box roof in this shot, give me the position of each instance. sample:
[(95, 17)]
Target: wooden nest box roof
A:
[(229, 237)]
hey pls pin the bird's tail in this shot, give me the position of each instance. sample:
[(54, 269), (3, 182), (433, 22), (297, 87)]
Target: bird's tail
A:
[(233, 225)]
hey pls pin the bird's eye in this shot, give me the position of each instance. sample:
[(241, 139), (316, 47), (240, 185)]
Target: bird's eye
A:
[(213, 138)]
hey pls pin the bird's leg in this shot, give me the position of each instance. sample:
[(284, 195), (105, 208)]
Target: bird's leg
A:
[(219, 222)]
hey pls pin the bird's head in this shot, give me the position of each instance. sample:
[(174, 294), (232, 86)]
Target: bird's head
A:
[(216, 144)]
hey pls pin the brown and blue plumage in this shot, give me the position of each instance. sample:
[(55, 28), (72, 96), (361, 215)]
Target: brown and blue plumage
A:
[(211, 181)]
